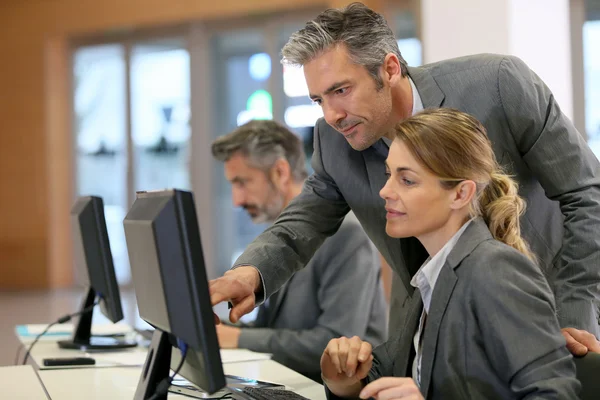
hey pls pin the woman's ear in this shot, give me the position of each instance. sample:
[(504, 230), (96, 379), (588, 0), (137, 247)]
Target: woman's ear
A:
[(463, 194)]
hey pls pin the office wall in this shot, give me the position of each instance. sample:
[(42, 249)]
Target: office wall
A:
[(35, 142)]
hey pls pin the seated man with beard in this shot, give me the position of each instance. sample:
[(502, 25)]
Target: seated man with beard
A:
[(339, 293)]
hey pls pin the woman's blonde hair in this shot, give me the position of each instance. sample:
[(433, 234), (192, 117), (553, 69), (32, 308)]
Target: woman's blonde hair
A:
[(454, 146)]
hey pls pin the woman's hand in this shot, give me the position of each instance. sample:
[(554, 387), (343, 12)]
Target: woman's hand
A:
[(345, 362)]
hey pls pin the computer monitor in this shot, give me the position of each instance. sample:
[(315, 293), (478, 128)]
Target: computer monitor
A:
[(169, 276), (94, 259)]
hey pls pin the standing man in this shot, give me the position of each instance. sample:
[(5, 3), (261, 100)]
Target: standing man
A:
[(354, 70), (338, 293)]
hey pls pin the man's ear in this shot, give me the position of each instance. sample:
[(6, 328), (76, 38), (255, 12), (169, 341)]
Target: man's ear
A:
[(462, 194), (391, 68), (281, 174)]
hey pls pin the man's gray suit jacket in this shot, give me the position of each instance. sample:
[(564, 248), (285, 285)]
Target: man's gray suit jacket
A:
[(558, 175)]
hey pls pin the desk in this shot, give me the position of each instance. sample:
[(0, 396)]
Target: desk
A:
[(120, 383), (133, 357), (21, 383)]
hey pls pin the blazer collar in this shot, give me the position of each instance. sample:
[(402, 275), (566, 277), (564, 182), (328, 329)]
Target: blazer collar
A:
[(441, 296), (431, 94), (476, 233), (404, 352)]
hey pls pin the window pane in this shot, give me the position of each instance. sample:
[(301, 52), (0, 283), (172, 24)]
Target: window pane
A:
[(100, 139), (301, 113), (160, 111), (242, 70), (406, 33), (410, 49)]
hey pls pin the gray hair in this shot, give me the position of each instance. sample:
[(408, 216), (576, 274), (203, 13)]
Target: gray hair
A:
[(365, 34), (263, 142)]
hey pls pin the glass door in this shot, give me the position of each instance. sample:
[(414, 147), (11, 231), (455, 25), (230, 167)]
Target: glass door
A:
[(160, 115), (131, 127), (242, 69), (100, 127)]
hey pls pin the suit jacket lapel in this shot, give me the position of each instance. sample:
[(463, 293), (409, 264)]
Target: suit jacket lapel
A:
[(473, 235), (431, 94), (404, 354), (439, 301)]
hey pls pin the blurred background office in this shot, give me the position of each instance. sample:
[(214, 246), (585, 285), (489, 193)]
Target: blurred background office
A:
[(108, 98)]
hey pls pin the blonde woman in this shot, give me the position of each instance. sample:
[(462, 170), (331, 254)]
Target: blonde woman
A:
[(482, 323)]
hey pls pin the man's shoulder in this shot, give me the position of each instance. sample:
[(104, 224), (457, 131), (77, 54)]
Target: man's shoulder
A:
[(488, 62)]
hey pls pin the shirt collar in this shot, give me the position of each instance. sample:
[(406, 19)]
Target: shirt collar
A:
[(426, 277), (417, 103), (417, 106)]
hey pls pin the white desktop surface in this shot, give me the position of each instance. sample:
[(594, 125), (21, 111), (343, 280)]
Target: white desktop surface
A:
[(120, 383), (21, 383), (132, 357)]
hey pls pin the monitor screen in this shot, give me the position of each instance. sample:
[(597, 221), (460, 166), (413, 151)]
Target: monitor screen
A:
[(93, 260), (93, 256), (169, 276)]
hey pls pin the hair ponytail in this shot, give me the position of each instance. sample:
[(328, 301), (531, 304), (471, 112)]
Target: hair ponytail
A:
[(501, 206)]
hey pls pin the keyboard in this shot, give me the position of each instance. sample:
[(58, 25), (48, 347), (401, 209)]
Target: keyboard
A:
[(272, 394)]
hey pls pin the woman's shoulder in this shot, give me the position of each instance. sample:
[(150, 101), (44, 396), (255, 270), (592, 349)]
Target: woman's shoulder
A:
[(493, 259)]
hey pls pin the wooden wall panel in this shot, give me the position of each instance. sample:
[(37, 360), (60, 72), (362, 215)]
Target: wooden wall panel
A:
[(35, 165)]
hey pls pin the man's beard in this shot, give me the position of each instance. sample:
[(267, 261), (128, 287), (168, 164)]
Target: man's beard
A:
[(267, 213)]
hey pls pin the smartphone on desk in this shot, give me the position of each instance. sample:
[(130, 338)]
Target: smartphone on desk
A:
[(68, 361)]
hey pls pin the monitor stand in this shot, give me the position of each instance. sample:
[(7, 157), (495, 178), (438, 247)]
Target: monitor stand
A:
[(82, 338), (156, 367)]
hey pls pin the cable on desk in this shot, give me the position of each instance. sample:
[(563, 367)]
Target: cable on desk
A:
[(163, 387), (61, 320)]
